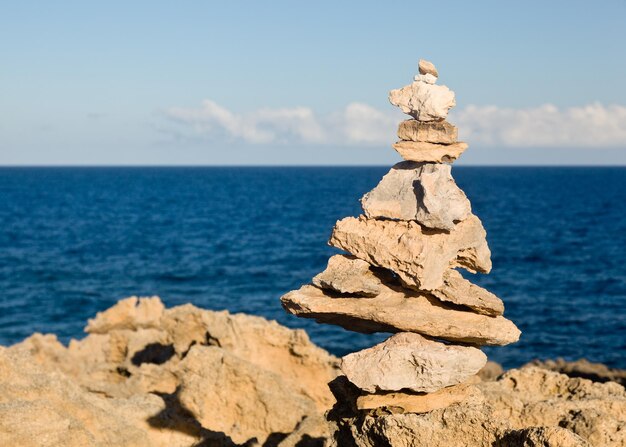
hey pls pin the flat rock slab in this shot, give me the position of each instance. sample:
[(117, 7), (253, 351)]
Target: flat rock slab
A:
[(400, 310), (409, 361), (424, 192), (440, 132), (419, 256), (419, 403), (349, 275), (423, 101), (458, 290), (429, 152)]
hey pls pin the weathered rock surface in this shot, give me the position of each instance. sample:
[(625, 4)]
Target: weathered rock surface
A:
[(397, 310), (131, 313), (350, 275), (427, 67), (417, 403), (438, 132), (419, 256), (458, 290), (423, 101), (521, 408), (422, 151), (409, 361), (596, 372), (424, 192)]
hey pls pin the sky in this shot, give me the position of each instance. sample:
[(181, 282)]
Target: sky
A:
[(306, 83)]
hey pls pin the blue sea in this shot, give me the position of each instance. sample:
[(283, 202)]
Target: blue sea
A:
[(73, 241)]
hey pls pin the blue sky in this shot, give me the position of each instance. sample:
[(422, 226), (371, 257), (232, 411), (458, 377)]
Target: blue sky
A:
[(198, 82)]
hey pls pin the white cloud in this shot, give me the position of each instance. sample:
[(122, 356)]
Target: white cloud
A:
[(594, 125)]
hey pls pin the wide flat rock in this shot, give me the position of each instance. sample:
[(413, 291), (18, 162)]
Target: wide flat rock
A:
[(429, 152), (458, 290), (400, 310), (419, 256), (423, 101), (439, 132), (409, 361), (424, 192), (398, 402), (350, 275)]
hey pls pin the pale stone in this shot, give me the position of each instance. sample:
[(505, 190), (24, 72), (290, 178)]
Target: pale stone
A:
[(423, 101), (419, 256), (428, 152), (427, 78), (398, 310), (418, 403), (424, 192), (227, 394), (542, 437), (458, 290), (130, 313), (439, 132), (408, 361), (347, 274), (426, 67)]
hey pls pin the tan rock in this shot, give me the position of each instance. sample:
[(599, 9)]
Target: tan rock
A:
[(350, 275), (419, 256), (227, 394), (408, 361), (583, 368), (427, 78), (541, 437), (130, 313), (418, 402), (429, 152), (424, 192), (439, 132), (423, 101), (458, 290), (396, 310), (427, 67)]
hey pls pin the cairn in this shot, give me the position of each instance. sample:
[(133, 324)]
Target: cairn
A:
[(400, 276)]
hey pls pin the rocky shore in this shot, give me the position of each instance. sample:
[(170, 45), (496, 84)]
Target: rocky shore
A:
[(149, 376)]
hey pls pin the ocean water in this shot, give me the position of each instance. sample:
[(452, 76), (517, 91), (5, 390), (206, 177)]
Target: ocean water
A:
[(75, 240)]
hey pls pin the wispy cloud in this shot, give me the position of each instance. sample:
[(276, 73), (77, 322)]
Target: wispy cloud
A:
[(594, 125)]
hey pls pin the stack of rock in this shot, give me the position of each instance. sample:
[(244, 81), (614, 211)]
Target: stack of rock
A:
[(400, 277)]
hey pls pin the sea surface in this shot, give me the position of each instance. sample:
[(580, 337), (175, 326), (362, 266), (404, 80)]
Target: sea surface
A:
[(73, 241)]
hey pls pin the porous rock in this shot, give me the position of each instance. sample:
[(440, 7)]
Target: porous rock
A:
[(347, 274), (438, 132), (130, 313), (398, 310), (412, 362), (422, 151), (458, 290), (424, 192), (420, 257), (426, 67), (423, 101)]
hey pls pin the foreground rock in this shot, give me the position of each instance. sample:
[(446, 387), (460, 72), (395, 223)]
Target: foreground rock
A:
[(418, 256), (409, 361), (458, 290), (350, 275), (397, 311), (424, 192), (429, 152)]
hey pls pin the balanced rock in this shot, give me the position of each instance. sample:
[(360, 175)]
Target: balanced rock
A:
[(400, 310), (424, 192), (423, 101), (422, 151), (410, 361), (458, 290), (426, 67), (419, 256), (347, 274), (405, 402), (440, 132)]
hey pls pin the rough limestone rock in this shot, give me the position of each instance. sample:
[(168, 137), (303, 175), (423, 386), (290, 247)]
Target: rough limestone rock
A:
[(423, 101), (420, 257), (408, 361), (438, 132), (597, 372), (458, 290), (350, 275), (426, 67), (131, 313), (418, 403), (541, 437), (422, 151), (397, 310), (424, 192), (227, 394)]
